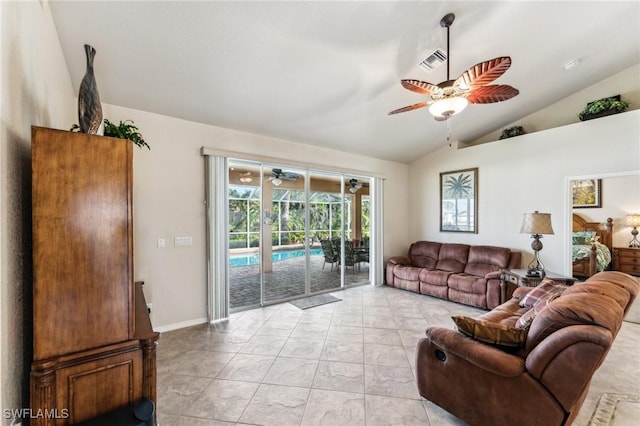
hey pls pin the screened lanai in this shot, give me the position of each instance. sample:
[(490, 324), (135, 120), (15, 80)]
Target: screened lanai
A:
[(278, 223)]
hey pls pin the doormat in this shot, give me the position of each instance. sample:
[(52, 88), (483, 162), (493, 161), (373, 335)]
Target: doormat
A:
[(615, 409), (310, 302)]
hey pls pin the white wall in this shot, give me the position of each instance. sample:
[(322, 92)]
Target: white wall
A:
[(524, 174), (564, 112), (35, 90), (169, 195)]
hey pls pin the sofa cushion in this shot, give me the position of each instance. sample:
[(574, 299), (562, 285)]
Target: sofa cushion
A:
[(407, 272), (453, 257), (527, 318), (574, 309), (506, 313), (467, 283), (424, 254), (619, 279), (485, 259), (434, 277), (546, 289), (490, 332), (619, 294)]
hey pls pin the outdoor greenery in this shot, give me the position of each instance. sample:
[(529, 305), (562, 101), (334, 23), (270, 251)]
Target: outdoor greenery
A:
[(287, 216)]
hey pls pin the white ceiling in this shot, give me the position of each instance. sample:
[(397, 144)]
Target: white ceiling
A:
[(328, 72)]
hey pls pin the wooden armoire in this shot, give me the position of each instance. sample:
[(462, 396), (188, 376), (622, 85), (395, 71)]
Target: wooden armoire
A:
[(93, 344)]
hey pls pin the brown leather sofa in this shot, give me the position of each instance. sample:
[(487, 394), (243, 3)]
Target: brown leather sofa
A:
[(461, 273), (543, 382)]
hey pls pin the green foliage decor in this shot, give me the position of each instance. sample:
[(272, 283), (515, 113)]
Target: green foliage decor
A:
[(125, 130), (613, 104), (511, 132)]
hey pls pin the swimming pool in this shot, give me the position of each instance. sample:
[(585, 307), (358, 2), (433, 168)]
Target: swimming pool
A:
[(246, 259)]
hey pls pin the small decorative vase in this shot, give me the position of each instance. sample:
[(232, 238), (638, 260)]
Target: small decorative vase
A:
[(89, 107)]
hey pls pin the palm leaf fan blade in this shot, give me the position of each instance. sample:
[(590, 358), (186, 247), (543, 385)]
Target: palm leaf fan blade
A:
[(491, 94), (421, 87), (483, 73), (409, 108)]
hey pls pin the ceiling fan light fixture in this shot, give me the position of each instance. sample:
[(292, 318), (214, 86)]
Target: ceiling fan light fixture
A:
[(447, 107), (276, 181)]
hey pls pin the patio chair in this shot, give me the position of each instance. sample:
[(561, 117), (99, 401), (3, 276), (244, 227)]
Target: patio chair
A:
[(330, 255), (351, 257), (363, 255)]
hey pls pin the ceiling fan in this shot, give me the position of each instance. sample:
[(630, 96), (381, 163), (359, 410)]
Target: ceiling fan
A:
[(277, 176), (472, 86), (354, 185)]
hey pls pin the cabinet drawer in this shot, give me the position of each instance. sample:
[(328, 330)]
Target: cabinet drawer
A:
[(630, 270), (629, 261), (629, 257)]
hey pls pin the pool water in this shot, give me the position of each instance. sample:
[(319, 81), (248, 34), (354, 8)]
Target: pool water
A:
[(248, 259)]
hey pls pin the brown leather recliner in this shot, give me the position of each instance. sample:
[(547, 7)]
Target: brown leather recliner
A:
[(544, 382)]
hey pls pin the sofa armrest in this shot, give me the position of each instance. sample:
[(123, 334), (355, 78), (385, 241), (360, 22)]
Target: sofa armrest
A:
[(400, 260), (483, 356), (493, 275)]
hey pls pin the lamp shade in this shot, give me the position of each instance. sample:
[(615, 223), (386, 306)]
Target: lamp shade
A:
[(448, 106), (633, 220), (536, 223)]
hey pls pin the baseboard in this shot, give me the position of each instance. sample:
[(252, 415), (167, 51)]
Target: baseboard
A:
[(177, 325)]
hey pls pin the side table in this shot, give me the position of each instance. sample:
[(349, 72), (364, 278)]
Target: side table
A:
[(627, 260), (519, 277)]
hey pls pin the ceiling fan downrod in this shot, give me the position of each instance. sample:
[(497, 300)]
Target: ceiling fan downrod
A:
[(446, 22)]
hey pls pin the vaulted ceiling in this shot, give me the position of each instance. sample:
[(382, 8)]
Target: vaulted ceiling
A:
[(328, 72)]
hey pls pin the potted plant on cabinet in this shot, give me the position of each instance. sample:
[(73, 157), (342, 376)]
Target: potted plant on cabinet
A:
[(125, 130)]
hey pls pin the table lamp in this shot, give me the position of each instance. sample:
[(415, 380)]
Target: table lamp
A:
[(536, 224), (634, 220)]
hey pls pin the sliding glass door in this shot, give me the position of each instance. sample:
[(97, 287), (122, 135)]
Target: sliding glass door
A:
[(325, 226), (285, 248), (294, 232)]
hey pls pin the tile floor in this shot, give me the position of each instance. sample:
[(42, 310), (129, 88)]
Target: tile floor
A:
[(344, 363)]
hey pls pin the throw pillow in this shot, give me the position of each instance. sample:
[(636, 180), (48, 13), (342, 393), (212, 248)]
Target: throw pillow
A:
[(527, 318), (544, 290), (583, 238), (490, 332)]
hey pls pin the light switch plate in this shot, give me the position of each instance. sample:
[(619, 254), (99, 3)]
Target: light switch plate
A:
[(183, 241)]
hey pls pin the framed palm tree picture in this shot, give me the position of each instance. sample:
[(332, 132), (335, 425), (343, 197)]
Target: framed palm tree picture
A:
[(459, 201)]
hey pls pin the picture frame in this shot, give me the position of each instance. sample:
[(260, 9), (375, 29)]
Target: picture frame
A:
[(459, 201), (586, 193)]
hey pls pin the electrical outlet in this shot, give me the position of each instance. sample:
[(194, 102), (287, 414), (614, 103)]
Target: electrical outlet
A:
[(161, 243)]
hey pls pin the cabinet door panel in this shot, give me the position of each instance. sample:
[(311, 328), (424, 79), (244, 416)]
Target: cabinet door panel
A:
[(95, 387), (82, 237)]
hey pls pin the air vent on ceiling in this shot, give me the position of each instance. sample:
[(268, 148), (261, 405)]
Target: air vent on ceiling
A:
[(434, 60)]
